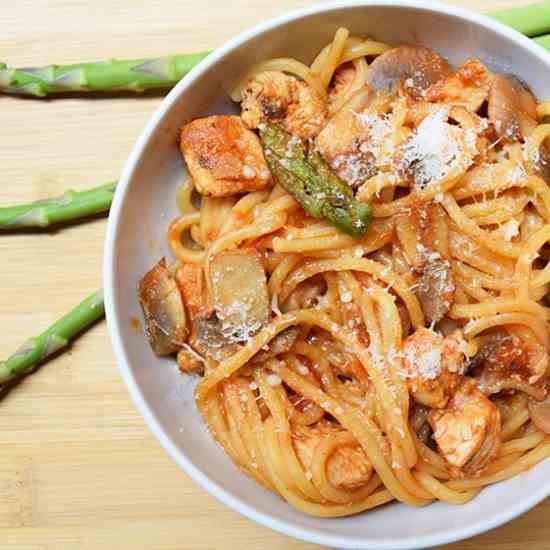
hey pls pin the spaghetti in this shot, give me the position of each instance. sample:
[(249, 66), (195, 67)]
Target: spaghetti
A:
[(409, 364)]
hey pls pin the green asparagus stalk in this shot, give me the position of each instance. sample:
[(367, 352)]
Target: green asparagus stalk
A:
[(310, 181), (56, 337), (531, 20), (144, 74), (70, 206), (135, 75)]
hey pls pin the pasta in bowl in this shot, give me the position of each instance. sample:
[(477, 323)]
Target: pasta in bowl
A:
[(361, 284), (347, 365)]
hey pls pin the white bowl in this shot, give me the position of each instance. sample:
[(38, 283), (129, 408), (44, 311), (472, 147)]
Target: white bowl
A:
[(144, 204)]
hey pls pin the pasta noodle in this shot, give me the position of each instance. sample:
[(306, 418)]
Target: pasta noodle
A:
[(320, 401)]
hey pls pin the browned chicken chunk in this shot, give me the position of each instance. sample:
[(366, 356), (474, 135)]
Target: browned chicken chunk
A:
[(223, 157), (273, 96), (434, 366), (416, 68), (467, 432), (165, 318), (190, 281), (342, 82), (348, 468), (468, 87), (352, 140)]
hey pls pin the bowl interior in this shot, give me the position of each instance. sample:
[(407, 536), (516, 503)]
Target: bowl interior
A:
[(145, 205)]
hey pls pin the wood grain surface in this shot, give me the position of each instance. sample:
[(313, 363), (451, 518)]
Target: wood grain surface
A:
[(79, 470)]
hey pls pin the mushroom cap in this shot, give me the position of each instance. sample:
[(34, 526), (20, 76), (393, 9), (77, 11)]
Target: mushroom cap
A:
[(417, 67), (511, 107)]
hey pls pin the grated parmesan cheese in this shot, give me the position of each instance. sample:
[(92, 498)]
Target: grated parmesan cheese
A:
[(346, 297), (248, 172), (436, 148), (509, 230), (428, 363), (273, 380), (516, 175)]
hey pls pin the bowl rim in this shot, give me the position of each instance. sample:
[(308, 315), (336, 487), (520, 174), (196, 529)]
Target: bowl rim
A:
[(113, 322)]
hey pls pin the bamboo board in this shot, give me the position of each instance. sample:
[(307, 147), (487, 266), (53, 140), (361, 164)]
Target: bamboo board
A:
[(78, 468)]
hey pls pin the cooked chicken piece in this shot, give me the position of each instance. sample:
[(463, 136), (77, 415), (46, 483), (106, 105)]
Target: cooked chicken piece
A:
[(165, 318), (434, 366), (342, 82), (416, 68), (190, 281), (468, 87), (190, 362), (512, 108), (467, 432), (348, 468), (273, 96), (239, 293), (223, 156), (352, 140)]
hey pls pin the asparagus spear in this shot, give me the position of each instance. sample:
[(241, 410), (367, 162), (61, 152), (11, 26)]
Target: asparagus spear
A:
[(71, 205), (56, 337), (310, 181), (134, 74), (144, 74), (531, 20)]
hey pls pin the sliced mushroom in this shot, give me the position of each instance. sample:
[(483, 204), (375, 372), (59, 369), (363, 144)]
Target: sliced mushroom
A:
[(542, 163), (502, 363), (239, 293), (282, 343), (208, 339), (512, 108), (539, 411), (435, 288), (165, 318), (416, 67)]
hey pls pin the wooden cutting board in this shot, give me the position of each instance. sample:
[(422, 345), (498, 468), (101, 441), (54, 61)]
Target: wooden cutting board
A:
[(78, 468)]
